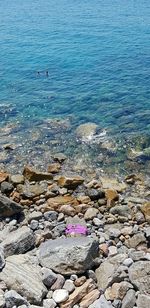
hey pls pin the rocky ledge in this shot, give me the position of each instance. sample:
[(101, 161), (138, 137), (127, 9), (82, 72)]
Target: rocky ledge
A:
[(68, 241)]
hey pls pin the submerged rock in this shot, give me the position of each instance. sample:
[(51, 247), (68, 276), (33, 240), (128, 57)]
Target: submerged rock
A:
[(68, 256), (86, 131)]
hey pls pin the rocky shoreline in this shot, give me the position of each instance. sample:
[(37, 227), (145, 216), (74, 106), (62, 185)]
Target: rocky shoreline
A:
[(70, 241)]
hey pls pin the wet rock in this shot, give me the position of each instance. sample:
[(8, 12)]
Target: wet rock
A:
[(23, 275), (60, 157), (143, 301), (129, 299), (60, 296), (70, 182), (19, 241), (79, 293), (54, 168), (48, 277), (17, 179), (145, 208), (114, 184), (34, 175), (139, 274), (6, 188), (91, 213), (105, 272), (9, 207), (69, 255), (3, 176), (86, 131), (12, 299)]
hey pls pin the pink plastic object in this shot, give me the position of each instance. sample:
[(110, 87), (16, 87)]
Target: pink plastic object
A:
[(76, 229)]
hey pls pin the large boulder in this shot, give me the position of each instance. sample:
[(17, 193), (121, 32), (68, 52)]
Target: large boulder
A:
[(35, 175), (9, 207), (139, 274), (19, 241), (86, 131), (22, 274), (68, 256)]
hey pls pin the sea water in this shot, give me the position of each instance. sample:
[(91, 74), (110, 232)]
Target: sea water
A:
[(75, 62)]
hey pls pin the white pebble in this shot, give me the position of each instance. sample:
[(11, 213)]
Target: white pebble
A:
[(127, 262), (60, 296)]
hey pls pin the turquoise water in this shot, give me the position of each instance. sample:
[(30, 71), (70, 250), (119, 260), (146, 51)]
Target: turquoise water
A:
[(97, 54)]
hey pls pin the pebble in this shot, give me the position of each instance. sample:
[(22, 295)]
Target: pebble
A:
[(60, 295), (127, 262)]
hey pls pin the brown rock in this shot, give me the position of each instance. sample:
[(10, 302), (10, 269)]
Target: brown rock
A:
[(91, 213), (79, 293), (80, 281), (3, 176), (67, 210), (70, 182), (104, 249), (89, 299), (84, 199), (113, 184), (145, 208), (135, 240), (117, 290), (111, 196), (56, 202), (54, 168), (34, 175)]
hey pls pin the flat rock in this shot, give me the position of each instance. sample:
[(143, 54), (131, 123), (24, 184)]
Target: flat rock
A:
[(139, 274), (56, 202), (32, 174), (12, 298), (135, 240), (19, 241), (23, 275), (145, 208), (89, 298), (143, 301), (129, 299), (91, 213), (3, 176), (9, 207), (68, 256), (70, 182), (17, 179)]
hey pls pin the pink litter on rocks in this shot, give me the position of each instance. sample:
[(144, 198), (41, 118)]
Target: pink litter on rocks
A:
[(76, 229)]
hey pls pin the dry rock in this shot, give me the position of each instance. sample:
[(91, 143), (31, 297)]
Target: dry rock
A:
[(143, 301), (139, 274), (34, 175), (70, 182), (145, 208), (9, 207)]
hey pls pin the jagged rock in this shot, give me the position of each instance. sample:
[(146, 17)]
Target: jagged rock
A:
[(35, 175), (91, 213), (95, 194), (69, 255), (105, 272), (101, 303), (9, 207), (139, 274), (12, 299), (145, 208), (129, 299), (19, 241), (111, 196), (143, 301), (70, 182), (54, 168), (23, 275), (135, 240), (118, 290), (79, 293), (60, 157), (30, 191)]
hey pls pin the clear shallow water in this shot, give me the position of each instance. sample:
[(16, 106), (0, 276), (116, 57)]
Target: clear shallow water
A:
[(97, 54)]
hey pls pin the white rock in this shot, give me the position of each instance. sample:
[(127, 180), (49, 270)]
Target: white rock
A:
[(60, 295), (127, 262)]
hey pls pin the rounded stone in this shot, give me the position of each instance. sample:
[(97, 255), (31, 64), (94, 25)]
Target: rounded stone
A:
[(60, 295), (127, 262)]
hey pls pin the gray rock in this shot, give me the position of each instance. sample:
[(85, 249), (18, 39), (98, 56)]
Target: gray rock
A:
[(129, 299), (9, 207), (35, 215), (50, 215), (48, 277), (6, 188), (95, 194), (17, 179), (12, 298), (69, 255), (58, 284), (101, 303), (139, 274), (136, 255), (2, 299), (49, 303), (121, 210), (2, 259), (135, 240), (143, 301), (69, 285), (105, 273), (34, 225), (23, 275), (19, 241)]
